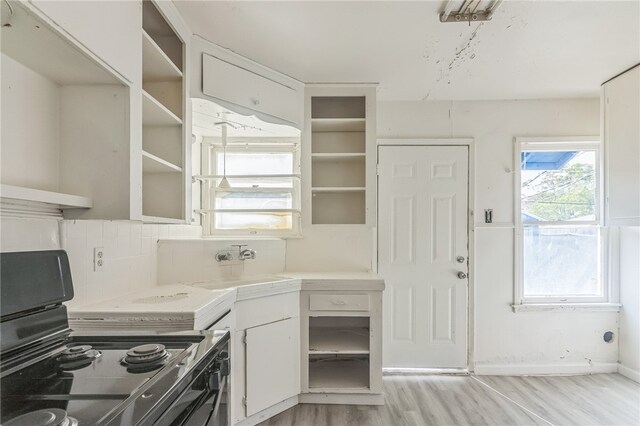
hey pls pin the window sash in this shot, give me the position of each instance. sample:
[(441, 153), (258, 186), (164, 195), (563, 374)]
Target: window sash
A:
[(557, 144), (210, 181)]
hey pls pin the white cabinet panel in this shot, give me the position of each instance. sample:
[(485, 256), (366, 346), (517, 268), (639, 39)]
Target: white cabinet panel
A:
[(234, 84), (110, 29), (273, 364), (622, 145)]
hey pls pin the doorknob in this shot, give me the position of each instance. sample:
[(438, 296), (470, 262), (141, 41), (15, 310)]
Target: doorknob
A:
[(462, 275)]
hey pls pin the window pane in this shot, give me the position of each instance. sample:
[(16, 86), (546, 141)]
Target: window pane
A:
[(254, 200), (558, 185), (258, 221), (561, 261), (256, 163)]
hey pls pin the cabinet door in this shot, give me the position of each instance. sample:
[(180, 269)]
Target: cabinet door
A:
[(109, 29), (273, 364), (234, 84), (622, 145)]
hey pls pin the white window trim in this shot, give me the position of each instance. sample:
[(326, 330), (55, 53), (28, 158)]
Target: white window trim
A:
[(599, 303), (239, 144)]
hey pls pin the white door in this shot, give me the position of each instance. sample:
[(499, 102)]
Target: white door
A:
[(422, 254)]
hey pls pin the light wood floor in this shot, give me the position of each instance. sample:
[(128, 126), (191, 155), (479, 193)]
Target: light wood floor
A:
[(600, 399)]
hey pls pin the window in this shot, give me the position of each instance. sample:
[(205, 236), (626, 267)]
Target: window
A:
[(263, 192), (559, 238)]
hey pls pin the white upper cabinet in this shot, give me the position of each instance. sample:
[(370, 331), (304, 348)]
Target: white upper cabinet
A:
[(109, 29), (231, 83), (621, 122), (244, 86)]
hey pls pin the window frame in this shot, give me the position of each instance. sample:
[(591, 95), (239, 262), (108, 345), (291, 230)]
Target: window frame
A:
[(548, 144), (213, 146)]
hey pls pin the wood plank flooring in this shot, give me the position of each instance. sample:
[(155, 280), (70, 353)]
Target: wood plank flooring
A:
[(600, 399)]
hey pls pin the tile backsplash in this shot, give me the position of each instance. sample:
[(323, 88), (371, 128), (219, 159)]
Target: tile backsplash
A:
[(194, 260), (130, 255), (136, 255)]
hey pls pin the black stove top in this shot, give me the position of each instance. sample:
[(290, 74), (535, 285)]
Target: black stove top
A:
[(65, 378)]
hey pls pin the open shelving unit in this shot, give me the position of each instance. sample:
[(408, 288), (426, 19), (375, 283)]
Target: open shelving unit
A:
[(338, 159), (163, 106), (339, 349)]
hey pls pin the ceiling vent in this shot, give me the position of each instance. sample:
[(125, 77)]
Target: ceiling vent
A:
[(469, 10)]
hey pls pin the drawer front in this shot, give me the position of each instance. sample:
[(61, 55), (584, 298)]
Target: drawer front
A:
[(339, 302)]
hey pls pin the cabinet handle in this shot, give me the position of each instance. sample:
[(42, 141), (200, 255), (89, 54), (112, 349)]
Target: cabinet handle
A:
[(339, 302)]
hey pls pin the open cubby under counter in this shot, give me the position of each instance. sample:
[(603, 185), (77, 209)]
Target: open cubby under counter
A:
[(338, 373)]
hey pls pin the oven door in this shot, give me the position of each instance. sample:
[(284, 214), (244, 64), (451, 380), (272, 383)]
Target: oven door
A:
[(214, 411)]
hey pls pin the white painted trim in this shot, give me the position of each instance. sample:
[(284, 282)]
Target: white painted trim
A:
[(430, 142), (269, 412), (342, 398), (471, 197), (567, 307), (544, 369), (629, 373), (425, 371)]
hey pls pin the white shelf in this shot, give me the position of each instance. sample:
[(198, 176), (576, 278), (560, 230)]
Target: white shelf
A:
[(338, 374), (338, 125), (156, 65), (338, 189), (155, 219), (156, 114), (65, 201), (153, 164), (336, 340), (351, 156)]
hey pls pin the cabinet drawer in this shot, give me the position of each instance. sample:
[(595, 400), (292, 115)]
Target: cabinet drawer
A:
[(339, 302)]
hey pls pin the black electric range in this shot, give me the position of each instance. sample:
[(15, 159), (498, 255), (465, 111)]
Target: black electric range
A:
[(51, 375)]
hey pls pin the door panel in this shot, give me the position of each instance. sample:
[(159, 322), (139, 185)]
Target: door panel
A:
[(423, 211), (273, 364)]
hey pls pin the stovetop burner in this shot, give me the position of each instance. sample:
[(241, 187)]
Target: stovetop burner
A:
[(46, 417), (145, 357), (76, 357)]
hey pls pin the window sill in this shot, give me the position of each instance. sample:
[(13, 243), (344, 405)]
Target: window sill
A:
[(567, 307)]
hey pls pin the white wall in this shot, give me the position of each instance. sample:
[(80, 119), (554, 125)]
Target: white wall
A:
[(629, 335), (507, 342)]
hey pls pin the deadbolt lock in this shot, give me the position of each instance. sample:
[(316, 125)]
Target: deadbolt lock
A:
[(460, 259)]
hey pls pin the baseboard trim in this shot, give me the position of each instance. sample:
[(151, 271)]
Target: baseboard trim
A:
[(342, 398), (544, 369), (629, 373), (397, 371), (269, 412)]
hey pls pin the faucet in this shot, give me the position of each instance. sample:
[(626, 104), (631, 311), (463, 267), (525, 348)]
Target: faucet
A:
[(246, 253)]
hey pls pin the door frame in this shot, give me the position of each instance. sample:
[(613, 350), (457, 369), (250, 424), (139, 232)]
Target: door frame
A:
[(470, 144)]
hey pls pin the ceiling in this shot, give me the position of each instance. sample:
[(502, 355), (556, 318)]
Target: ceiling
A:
[(529, 50)]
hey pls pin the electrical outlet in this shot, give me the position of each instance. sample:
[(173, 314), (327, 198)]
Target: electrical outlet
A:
[(98, 259)]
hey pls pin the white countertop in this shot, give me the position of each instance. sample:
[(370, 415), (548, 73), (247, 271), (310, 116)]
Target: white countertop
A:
[(200, 302)]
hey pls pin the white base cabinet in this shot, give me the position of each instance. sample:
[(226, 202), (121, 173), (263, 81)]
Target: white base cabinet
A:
[(265, 356), (341, 355), (272, 364)]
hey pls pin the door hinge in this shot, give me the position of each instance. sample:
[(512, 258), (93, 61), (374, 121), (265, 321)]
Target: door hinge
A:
[(244, 401), (377, 169)]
